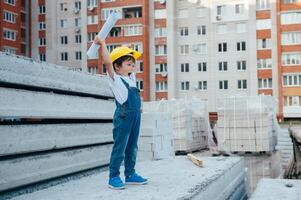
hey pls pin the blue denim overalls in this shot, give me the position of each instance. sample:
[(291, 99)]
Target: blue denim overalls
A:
[(126, 129)]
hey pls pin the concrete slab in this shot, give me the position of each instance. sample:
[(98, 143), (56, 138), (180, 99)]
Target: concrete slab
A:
[(177, 178), (270, 189)]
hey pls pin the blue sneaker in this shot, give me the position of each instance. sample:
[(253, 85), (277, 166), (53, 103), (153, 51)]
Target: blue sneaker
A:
[(135, 179), (116, 183)]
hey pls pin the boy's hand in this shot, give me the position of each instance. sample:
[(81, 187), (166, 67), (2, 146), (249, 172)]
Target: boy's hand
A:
[(98, 41)]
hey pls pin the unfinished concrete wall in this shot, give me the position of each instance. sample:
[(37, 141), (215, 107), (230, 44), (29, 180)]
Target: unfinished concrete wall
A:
[(53, 121)]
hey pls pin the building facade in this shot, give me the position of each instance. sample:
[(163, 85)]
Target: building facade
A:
[(15, 22)]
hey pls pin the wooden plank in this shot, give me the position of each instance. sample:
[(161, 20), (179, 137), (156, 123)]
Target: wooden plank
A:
[(16, 139), (21, 171), (195, 160), (17, 103), (28, 72)]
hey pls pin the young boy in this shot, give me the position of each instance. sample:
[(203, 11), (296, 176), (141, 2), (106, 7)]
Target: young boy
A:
[(120, 66)]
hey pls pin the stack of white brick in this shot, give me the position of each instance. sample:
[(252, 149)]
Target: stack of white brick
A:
[(190, 122), (155, 141), (247, 124)]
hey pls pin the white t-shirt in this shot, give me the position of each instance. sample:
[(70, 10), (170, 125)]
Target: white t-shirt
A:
[(118, 88)]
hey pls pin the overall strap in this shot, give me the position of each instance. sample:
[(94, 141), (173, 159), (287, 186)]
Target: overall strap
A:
[(125, 83)]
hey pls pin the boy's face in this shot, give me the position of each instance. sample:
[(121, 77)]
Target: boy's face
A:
[(126, 67)]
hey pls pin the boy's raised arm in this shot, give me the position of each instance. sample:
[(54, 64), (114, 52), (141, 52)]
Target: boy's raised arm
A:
[(105, 56)]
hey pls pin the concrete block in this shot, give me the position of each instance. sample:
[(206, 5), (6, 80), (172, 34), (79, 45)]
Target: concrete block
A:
[(26, 104), (16, 139), (28, 72), (30, 169)]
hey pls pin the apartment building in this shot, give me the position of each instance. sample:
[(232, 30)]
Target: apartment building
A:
[(212, 50), (158, 55), (58, 32), (14, 27), (289, 57)]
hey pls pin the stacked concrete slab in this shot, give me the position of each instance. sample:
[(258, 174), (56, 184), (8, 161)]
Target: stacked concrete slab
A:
[(247, 124), (155, 141), (53, 121), (190, 122)]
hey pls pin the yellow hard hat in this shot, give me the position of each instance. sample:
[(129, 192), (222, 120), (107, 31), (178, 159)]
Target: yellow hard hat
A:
[(123, 51)]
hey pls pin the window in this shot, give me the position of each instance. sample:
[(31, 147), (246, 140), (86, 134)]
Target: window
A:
[(105, 13), (291, 38), (241, 28), (139, 84), (185, 67), (133, 30), (242, 84), (200, 48), (201, 30), (292, 100), (291, 18), (265, 83), (222, 66), (264, 63), (64, 56), (182, 13), (241, 46), (42, 26), (219, 9), (42, 57), (11, 2), (200, 12), (202, 67), (239, 8), (91, 3), (222, 47), (91, 36), (184, 49), (63, 23), (9, 16), (160, 32), (139, 65), (64, 39), (161, 50), (42, 9), (63, 6), (241, 65), (92, 69), (9, 50), (111, 47), (161, 86), (290, 1), (291, 80), (78, 39), (221, 28), (9, 34), (162, 67), (138, 47), (185, 85), (77, 22), (262, 24), (42, 41), (92, 19), (291, 58), (183, 31), (264, 43), (263, 4), (77, 5), (202, 85), (78, 55), (160, 14), (223, 85)]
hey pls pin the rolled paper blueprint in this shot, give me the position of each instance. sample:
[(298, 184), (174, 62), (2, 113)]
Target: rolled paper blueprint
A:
[(93, 50)]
